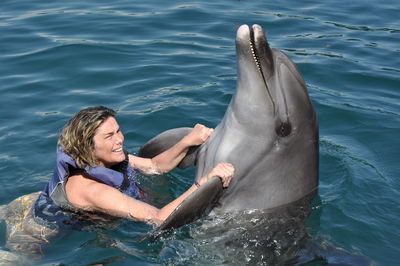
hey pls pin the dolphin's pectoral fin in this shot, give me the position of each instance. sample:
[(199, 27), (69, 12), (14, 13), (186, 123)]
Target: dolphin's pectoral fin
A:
[(195, 206), (166, 140)]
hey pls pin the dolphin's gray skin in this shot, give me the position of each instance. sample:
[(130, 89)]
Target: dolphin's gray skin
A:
[(269, 133)]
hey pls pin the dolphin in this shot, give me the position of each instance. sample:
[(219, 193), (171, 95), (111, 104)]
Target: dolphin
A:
[(269, 133)]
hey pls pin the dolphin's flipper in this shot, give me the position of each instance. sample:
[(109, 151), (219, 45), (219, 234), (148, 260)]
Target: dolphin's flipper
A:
[(195, 205), (166, 140)]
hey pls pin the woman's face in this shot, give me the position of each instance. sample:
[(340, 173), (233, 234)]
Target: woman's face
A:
[(108, 143)]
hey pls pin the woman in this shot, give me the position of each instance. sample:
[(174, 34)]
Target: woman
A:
[(95, 174)]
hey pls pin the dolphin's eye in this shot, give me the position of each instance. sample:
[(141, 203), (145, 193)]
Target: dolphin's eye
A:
[(283, 129)]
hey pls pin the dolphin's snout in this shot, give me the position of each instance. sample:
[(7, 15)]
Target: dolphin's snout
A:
[(243, 33), (256, 27), (258, 32), (255, 34)]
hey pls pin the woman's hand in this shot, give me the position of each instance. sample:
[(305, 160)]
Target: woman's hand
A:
[(224, 171), (198, 135)]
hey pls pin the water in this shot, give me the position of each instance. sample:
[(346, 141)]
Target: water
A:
[(165, 64)]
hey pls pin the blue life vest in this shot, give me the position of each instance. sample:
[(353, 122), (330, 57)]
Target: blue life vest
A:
[(47, 212), (120, 176)]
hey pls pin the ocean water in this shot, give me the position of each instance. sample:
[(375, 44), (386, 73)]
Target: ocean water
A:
[(166, 64)]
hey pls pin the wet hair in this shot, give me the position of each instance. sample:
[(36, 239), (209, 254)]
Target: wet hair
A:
[(76, 138)]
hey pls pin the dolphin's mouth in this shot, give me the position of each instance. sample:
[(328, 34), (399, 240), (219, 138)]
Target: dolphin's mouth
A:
[(256, 56), (254, 50)]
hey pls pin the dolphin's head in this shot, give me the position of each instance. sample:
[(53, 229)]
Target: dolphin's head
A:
[(271, 84), (270, 130)]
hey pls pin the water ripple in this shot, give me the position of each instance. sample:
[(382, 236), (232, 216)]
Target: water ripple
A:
[(363, 28)]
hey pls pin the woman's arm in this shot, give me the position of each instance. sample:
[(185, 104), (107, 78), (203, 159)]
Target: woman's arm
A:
[(169, 159), (88, 194)]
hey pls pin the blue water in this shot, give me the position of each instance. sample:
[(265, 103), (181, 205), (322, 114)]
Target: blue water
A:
[(165, 64)]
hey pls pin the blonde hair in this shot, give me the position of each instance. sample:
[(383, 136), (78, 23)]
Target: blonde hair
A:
[(76, 138)]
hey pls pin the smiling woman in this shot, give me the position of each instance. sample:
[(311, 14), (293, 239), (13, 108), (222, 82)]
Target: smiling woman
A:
[(95, 177), (97, 143), (108, 143)]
